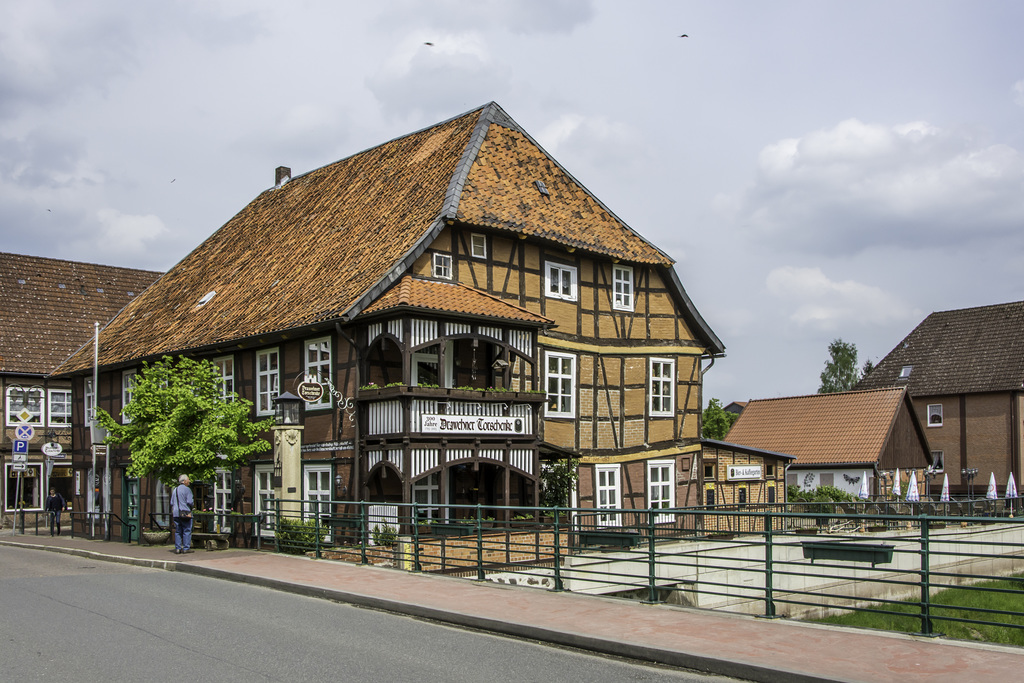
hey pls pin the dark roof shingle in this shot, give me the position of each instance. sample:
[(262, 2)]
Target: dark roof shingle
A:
[(48, 307), (963, 351)]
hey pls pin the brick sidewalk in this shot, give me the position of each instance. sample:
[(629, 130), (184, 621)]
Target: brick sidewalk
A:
[(715, 642)]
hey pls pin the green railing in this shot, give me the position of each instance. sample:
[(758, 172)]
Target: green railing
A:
[(768, 560)]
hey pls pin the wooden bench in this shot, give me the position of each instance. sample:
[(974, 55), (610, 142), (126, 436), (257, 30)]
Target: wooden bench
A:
[(211, 541)]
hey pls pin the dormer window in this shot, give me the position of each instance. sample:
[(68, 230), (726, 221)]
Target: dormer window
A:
[(443, 266), (905, 371)]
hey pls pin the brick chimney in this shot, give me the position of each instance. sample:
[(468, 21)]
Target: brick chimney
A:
[(282, 175)]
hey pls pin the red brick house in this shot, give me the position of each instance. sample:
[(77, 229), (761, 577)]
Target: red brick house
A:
[(453, 276), (964, 370), (48, 308)]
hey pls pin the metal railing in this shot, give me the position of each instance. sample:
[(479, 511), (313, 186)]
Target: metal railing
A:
[(807, 560), (107, 524)]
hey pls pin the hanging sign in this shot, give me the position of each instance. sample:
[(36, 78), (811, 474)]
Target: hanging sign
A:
[(53, 449), (473, 424), (310, 392)]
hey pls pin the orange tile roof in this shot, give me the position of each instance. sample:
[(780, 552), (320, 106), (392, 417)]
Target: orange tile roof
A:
[(848, 427), (451, 297), (48, 307), (501, 192), (323, 246)]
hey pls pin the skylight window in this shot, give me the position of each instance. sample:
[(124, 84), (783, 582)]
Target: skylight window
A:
[(62, 286), (542, 187), (207, 298), (905, 371), (99, 289)]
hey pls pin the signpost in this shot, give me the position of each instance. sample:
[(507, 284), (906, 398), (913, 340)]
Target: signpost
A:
[(24, 432)]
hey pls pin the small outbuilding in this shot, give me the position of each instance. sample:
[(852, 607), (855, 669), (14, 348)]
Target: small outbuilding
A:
[(838, 438)]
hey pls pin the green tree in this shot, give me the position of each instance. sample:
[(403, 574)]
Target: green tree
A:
[(840, 372), (868, 367), (180, 423), (557, 482), (715, 421)]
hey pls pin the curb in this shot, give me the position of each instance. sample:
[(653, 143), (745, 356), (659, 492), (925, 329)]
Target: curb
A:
[(168, 565)]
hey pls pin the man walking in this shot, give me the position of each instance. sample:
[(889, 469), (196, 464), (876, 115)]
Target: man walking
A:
[(55, 505), (182, 503)]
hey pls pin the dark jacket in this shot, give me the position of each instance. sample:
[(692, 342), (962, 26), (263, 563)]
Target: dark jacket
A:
[(55, 503)]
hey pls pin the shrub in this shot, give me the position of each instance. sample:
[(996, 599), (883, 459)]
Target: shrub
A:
[(296, 536), (384, 535)]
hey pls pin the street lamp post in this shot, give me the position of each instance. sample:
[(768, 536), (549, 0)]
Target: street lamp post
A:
[(969, 473), (288, 418)]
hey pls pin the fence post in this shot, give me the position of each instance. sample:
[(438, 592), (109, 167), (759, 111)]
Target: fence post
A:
[(316, 528), (416, 566), (479, 545), (277, 525), (652, 567), (769, 587), (926, 593), (558, 555), (364, 532)]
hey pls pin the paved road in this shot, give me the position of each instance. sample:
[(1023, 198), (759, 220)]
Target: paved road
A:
[(77, 619)]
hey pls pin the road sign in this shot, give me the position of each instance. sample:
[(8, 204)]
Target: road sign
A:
[(20, 448), (53, 449), (19, 467), (24, 432)]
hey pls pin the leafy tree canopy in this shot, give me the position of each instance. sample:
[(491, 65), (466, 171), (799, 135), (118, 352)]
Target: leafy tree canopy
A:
[(840, 372), (180, 423), (715, 421), (558, 481)]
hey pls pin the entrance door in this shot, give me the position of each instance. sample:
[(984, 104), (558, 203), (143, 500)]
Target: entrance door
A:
[(130, 510)]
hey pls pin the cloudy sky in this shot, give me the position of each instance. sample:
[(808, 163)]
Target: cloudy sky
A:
[(817, 170)]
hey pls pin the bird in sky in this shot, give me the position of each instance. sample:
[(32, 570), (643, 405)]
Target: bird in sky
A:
[(430, 44), (684, 36)]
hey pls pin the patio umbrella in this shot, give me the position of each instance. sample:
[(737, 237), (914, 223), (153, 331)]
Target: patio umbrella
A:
[(864, 492), (896, 483), (912, 494), (992, 493), (1011, 487), (944, 497)]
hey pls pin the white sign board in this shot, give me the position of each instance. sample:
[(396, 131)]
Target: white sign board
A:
[(741, 472), (52, 449), (474, 424)]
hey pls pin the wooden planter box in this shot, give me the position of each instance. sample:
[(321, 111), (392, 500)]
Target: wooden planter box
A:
[(454, 529)]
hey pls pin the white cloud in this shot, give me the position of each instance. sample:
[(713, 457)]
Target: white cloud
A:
[(858, 185), (1018, 92), (816, 301), (127, 234)]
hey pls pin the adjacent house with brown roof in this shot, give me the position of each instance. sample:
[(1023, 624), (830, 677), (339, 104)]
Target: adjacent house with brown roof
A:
[(48, 308), (838, 437), (965, 372), (454, 276)]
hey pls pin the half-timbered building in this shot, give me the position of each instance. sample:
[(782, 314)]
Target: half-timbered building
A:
[(471, 311)]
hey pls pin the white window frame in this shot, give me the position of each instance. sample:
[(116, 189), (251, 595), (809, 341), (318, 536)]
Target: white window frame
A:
[(905, 371), (223, 490), (88, 402), (268, 381), (263, 497), (127, 386), (320, 367), (478, 245), (430, 505), (661, 487), (662, 387), (316, 501), (607, 492), (560, 282), (226, 370), (935, 409), (442, 266), (59, 418), (163, 503), (565, 385), (38, 418), (622, 288)]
